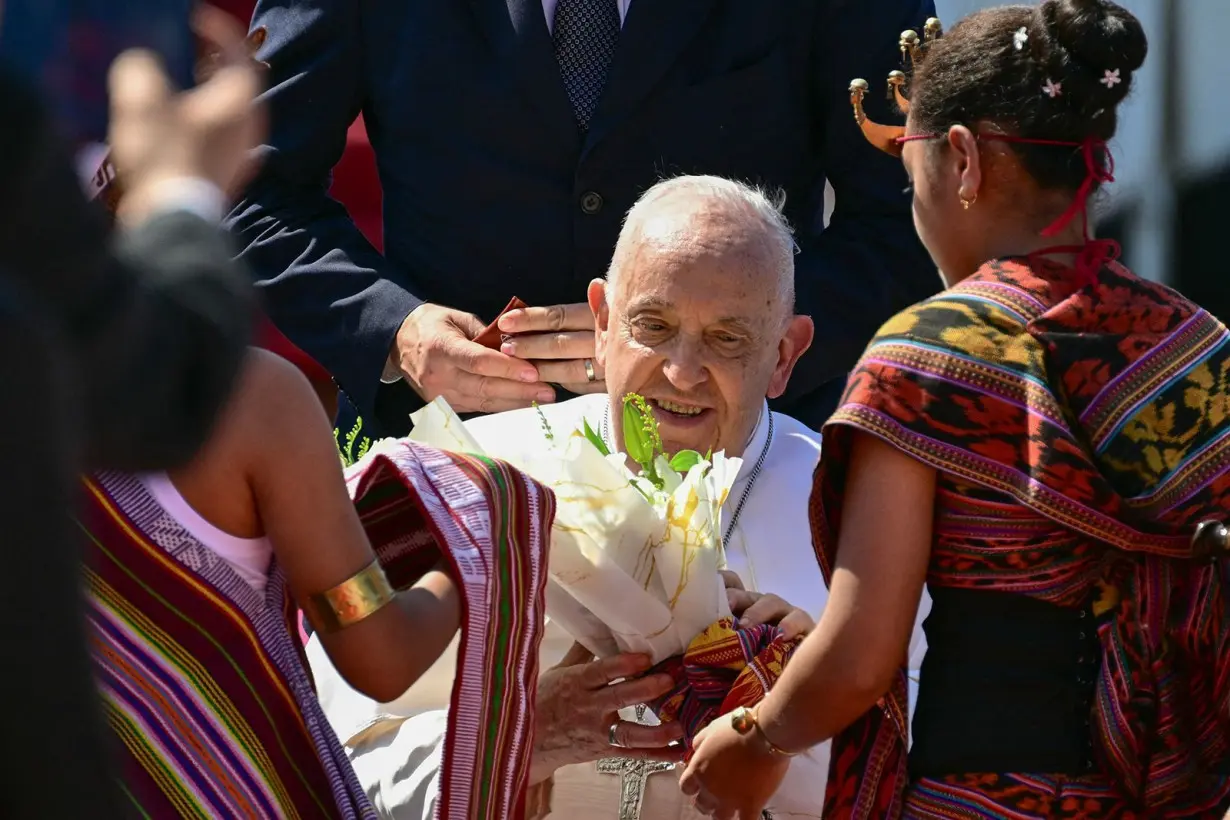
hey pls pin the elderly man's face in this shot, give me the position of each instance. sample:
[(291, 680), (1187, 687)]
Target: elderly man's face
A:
[(697, 328)]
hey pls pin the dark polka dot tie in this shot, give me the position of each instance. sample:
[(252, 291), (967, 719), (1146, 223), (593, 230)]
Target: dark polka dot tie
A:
[(585, 34)]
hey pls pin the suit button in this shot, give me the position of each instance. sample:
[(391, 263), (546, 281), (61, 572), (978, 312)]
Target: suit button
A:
[(591, 202)]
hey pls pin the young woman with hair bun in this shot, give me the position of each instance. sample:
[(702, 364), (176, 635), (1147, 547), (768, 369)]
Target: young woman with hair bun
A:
[(1044, 446)]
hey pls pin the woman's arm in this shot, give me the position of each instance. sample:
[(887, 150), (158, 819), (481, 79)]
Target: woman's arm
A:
[(848, 662), (299, 491)]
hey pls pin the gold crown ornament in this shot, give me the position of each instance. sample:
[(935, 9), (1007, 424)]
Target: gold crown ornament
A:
[(913, 51)]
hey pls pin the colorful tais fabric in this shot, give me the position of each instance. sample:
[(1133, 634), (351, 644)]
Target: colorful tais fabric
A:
[(1080, 434), (722, 669), (205, 685)]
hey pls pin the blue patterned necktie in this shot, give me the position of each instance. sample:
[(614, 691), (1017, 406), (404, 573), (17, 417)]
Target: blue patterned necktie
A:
[(584, 36)]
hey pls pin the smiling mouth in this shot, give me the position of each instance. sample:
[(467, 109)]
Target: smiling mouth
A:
[(677, 410)]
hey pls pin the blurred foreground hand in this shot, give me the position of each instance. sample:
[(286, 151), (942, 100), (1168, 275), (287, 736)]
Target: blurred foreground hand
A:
[(159, 133)]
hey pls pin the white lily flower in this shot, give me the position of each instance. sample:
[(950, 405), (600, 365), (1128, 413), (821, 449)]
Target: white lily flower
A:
[(633, 568)]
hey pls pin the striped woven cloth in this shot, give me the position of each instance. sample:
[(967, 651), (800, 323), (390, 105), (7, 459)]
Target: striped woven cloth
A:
[(205, 684), (722, 669)]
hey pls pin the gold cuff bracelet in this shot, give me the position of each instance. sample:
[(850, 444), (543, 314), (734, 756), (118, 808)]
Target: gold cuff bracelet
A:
[(358, 597)]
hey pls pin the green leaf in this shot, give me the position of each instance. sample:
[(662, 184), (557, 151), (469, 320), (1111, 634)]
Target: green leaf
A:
[(685, 460), (637, 441), (595, 439), (346, 451)]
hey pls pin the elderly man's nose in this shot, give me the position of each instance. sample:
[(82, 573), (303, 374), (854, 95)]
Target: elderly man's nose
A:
[(685, 369)]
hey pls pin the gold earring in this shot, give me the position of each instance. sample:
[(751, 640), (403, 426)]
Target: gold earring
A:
[(965, 203)]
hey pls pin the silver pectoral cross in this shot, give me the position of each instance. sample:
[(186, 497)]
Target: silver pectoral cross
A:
[(633, 774)]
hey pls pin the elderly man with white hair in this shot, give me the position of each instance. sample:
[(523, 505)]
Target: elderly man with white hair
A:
[(696, 315)]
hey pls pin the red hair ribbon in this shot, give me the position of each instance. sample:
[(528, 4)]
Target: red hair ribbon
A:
[(1095, 253)]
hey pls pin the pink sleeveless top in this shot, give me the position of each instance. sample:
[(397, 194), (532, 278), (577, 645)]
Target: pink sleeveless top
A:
[(249, 557)]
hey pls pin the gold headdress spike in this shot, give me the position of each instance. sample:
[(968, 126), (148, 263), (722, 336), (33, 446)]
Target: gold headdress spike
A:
[(883, 137), (913, 51), (896, 82), (911, 47)]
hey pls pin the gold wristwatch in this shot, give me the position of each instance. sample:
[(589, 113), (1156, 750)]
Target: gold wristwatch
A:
[(743, 721)]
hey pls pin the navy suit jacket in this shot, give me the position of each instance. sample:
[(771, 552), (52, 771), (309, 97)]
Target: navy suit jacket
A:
[(490, 191)]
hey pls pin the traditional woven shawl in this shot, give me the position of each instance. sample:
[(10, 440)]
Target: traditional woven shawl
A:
[(207, 692), (1100, 411), (723, 668)]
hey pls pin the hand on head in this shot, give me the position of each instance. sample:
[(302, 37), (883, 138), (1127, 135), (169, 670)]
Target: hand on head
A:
[(558, 340), (696, 313), (690, 326), (578, 707), (158, 133)]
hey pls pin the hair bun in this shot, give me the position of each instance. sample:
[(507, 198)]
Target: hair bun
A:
[(1088, 38)]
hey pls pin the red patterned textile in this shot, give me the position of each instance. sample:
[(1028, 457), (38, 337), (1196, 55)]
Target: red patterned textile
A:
[(1078, 430), (723, 668)]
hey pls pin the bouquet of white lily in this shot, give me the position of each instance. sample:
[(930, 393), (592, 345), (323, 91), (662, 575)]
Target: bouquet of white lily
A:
[(634, 553)]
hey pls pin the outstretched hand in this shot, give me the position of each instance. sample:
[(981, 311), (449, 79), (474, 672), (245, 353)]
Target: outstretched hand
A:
[(578, 707)]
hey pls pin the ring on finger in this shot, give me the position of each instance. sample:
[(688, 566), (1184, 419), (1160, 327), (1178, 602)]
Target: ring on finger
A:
[(590, 373), (612, 737)]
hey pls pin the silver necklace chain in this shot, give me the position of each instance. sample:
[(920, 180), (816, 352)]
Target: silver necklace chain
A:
[(751, 477), (751, 482)]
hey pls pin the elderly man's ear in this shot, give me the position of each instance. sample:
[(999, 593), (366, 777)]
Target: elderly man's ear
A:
[(794, 343), (596, 296)]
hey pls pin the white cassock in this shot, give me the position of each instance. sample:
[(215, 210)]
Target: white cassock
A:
[(396, 747)]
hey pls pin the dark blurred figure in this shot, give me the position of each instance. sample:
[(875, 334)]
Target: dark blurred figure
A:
[(116, 353)]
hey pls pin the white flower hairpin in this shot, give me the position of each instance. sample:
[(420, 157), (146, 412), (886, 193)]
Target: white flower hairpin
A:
[(1052, 89), (1019, 38), (1111, 78)]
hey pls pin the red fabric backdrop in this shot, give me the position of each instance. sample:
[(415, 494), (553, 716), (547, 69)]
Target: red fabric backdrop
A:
[(355, 184)]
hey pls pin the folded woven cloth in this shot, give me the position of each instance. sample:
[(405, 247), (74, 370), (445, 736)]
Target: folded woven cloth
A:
[(723, 668), (491, 336)]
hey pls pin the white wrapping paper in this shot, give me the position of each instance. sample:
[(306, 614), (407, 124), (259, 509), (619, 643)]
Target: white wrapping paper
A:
[(632, 568)]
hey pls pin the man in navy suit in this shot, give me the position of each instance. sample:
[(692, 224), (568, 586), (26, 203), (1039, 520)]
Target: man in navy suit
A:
[(513, 135)]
